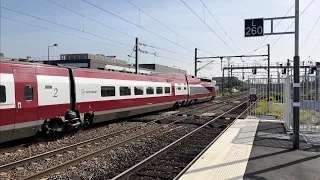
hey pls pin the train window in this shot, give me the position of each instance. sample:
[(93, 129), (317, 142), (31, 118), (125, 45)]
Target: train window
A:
[(150, 90), (159, 90), (138, 90), (167, 90), (108, 91), (28, 93), (179, 88), (185, 88), (125, 91), (2, 94)]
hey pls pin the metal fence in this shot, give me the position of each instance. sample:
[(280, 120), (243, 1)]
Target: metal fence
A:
[(280, 104), (274, 108), (310, 103)]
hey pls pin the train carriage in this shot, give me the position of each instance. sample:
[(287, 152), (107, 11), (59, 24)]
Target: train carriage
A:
[(30, 95), (41, 98)]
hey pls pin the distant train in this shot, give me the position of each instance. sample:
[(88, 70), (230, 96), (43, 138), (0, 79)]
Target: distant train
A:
[(36, 98)]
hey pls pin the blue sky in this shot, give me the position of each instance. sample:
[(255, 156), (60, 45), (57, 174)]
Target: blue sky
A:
[(21, 40)]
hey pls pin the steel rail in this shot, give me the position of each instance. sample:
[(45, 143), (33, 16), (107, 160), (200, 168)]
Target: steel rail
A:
[(103, 150), (16, 147), (212, 142), (73, 146), (151, 158), (56, 151)]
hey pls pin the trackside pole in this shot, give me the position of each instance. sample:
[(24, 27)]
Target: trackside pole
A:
[(296, 82)]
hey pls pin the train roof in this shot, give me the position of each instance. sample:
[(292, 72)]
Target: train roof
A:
[(154, 75)]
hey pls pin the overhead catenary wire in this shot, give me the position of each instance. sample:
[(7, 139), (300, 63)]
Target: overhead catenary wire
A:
[(293, 23), (259, 46), (220, 25), (175, 32), (53, 30), (75, 29), (90, 18), (155, 47), (163, 56), (208, 26), (315, 50), (315, 47), (160, 55), (101, 23), (239, 49), (310, 32), (64, 33), (130, 22)]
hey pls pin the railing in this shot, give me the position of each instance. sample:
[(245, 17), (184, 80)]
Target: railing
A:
[(310, 103), (274, 108), (280, 105)]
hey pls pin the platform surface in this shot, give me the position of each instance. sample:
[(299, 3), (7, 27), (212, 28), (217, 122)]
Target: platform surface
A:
[(272, 156), (227, 158), (257, 149)]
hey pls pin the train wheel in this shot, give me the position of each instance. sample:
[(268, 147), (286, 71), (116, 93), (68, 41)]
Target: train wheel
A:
[(87, 121), (176, 105)]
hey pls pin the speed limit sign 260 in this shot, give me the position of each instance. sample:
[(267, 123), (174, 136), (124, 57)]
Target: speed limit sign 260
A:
[(253, 27)]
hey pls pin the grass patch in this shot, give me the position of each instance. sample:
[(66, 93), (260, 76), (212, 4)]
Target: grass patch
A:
[(277, 110)]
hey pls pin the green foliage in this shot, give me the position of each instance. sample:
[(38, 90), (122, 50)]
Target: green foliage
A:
[(309, 116), (276, 97), (275, 109)]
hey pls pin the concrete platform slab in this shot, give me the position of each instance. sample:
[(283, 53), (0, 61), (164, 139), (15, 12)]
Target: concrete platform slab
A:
[(228, 156), (228, 116), (272, 156), (257, 149)]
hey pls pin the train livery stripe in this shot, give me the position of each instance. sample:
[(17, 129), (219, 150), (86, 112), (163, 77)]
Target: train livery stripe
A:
[(94, 106), (89, 89), (21, 125)]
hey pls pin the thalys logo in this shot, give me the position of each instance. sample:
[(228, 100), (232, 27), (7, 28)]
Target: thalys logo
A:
[(84, 92)]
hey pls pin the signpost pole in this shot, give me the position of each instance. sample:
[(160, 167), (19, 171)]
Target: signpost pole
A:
[(268, 73), (296, 82)]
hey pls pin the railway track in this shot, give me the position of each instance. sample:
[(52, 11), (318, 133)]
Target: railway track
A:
[(173, 160), (152, 118), (101, 140), (13, 147)]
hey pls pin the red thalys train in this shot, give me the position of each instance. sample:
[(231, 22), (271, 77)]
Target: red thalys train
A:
[(39, 98)]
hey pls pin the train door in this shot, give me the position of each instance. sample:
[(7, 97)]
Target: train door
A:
[(7, 109), (26, 97)]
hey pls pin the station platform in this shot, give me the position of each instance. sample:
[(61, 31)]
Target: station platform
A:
[(255, 148)]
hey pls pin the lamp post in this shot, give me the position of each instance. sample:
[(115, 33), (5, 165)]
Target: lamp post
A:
[(49, 49)]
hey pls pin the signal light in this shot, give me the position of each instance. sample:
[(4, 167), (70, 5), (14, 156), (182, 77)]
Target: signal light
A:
[(284, 71), (312, 69), (254, 70)]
